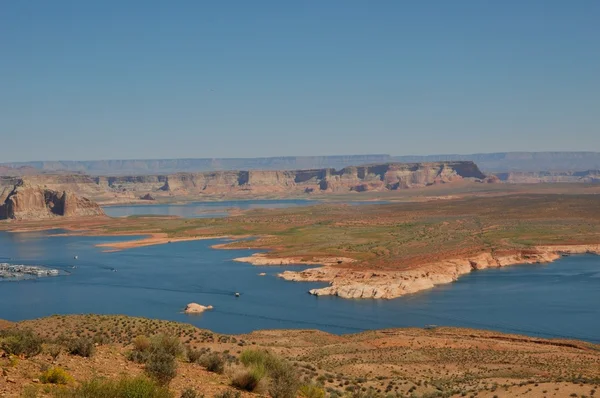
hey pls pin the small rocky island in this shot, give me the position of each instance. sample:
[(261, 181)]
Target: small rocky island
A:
[(17, 271)]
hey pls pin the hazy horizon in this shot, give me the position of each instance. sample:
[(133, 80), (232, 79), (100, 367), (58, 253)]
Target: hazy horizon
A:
[(111, 80), (24, 162)]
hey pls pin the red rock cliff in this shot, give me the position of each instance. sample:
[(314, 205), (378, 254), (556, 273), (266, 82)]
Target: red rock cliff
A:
[(33, 202)]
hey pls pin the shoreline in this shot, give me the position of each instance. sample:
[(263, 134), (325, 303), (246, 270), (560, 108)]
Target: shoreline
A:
[(152, 240)]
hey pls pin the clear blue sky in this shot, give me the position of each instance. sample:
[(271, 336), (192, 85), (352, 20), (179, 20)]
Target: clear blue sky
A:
[(159, 79)]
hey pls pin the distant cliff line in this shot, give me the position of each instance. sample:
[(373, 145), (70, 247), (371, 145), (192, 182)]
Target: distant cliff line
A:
[(375, 177), (488, 162)]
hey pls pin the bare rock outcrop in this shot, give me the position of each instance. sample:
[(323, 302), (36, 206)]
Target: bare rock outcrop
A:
[(27, 201), (347, 283), (195, 308)]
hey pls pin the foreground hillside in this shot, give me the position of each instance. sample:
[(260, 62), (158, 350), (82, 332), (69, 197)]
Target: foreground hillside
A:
[(439, 362)]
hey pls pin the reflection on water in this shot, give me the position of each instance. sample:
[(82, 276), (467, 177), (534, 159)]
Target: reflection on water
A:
[(555, 300)]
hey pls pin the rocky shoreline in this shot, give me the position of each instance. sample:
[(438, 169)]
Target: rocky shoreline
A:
[(346, 283)]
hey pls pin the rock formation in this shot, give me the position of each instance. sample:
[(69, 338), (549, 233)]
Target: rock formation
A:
[(376, 177), (348, 283), (389, 176), (588, 176), (27, 201), (195, 308)]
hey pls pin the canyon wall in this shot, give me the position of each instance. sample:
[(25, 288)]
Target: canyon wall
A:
[(379, 177), (374, 177), (588, 176)]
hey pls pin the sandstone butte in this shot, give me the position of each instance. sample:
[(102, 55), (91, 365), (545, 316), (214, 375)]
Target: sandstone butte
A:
[(346, 283), (33, 202)]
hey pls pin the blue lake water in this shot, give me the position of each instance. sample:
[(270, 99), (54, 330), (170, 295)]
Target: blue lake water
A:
[(215, 209), (554, 300), (202, 209)]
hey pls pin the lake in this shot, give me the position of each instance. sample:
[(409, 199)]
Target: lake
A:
[(216, 209), (202, 209), (553, 300)]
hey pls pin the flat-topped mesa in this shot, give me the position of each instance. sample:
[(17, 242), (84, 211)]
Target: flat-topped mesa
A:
[(32, 202), (388, 176)]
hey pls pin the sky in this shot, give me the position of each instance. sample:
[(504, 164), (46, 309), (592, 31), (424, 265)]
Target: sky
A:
[(118, 79)]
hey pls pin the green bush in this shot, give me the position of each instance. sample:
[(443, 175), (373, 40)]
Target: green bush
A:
[(139, 387), (20, 342), (55, 375), (311, 391), (82, 346), (143, 347), (213, 363), (161, 366), (255, 357), (283, 377)]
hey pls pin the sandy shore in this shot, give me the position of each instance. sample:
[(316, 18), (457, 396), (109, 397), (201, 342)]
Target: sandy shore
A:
[(153, 239), (262, 259), (347, 283)]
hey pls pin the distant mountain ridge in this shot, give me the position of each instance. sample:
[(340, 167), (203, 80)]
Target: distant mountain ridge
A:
[(487, 162)]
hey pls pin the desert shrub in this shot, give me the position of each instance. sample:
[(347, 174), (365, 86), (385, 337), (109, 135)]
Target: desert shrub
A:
[(158, 353), (228, 394), (29, 391), (142, 348), (20, 342), (248, 379), (53, 350), (168, 344), (255, 357), (161, 366), (82, 346), (138, 387), (284, 380), (311, 391), (189, 393), (55, 375), (213, 362), (194, 355), (141, 343), (283, 377)]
